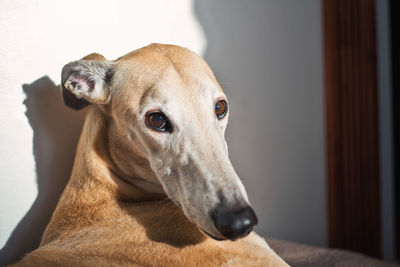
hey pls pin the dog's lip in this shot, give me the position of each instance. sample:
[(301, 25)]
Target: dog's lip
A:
[(212, 236)]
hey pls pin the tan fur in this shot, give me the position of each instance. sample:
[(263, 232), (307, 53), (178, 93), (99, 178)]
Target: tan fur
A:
[(102, 220)]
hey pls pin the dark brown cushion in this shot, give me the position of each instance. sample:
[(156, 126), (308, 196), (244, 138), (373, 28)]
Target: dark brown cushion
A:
[(302, 255)]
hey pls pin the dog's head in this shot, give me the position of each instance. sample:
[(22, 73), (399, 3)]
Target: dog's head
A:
[(168, 116)]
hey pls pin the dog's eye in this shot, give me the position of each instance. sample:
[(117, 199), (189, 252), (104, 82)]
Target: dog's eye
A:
[(221, 107), (158, 121)]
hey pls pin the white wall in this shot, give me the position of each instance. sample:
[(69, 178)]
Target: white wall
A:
[(267, 55)]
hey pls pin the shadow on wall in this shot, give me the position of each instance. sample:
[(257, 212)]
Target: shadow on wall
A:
[(56, 130)]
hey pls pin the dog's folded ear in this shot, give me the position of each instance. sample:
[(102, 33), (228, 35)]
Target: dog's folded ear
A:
[(86, 81)]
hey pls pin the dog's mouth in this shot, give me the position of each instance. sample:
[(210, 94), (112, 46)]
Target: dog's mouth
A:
[(212, 236), (176, 202), (202, 230)]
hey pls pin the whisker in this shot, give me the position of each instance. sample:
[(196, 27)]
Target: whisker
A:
[(171, 215), (164, 206)]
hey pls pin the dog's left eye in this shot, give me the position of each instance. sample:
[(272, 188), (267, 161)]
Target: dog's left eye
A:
[(158, 121)]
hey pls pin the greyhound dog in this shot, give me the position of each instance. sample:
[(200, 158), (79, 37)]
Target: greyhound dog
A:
[(152, 183)]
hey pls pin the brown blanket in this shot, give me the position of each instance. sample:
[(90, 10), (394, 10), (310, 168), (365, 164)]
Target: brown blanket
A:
[(303, 255)]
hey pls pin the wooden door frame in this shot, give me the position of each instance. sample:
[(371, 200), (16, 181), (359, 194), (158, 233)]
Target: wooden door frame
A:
[(351, 91)]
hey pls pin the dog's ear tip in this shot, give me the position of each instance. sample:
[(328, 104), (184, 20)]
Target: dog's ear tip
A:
[(94, 56), (71, 101)]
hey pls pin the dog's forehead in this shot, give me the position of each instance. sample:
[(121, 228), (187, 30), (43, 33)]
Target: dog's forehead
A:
[(154, 59), (156, 71), (185, 84)]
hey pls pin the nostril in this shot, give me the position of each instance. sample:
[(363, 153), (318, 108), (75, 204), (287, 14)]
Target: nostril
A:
[(233, 224)]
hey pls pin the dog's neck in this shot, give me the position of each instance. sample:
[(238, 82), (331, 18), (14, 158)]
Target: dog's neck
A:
[(96, 190)]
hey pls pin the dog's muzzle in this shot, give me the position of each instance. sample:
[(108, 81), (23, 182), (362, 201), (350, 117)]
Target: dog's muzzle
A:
[(234, 223)]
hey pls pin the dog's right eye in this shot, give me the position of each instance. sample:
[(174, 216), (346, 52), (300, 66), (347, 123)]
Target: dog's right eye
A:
[(221, 108), (158, 121)]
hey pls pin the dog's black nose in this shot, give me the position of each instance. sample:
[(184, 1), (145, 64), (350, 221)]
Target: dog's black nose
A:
[(233, 224)]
